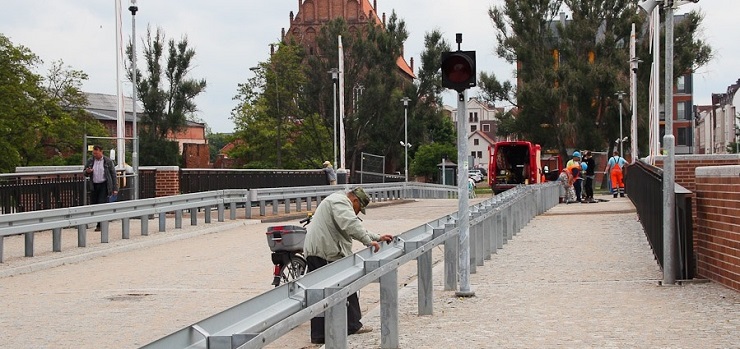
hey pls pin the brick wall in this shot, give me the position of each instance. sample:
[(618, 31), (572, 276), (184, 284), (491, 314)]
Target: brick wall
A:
[(167, 181), (196, 155), (717, 228)]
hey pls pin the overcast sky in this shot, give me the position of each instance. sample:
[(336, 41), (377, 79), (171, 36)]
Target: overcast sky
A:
[(230, 36)]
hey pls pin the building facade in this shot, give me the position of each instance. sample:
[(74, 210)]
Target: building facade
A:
[(481, 131), (717, 125)]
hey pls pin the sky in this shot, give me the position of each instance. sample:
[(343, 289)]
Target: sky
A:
[(230, 36)]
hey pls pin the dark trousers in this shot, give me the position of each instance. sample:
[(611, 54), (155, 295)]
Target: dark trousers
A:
[(577, 186), (589, 186), (353, 306), (99, 195)]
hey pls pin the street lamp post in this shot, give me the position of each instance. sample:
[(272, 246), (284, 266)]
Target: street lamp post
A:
[(406, 101), (134, 78), (620, 95), (334, 77)]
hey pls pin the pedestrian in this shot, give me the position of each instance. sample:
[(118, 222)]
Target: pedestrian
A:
[(588, 186), (331, 174), (329, 237), (574, 167), (471, 188), (614, 170), (102, 173)]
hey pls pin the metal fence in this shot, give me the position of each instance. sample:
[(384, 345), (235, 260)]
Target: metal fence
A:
[(644, 187), (35, 191), (199, 180), (265, 318), (30, 223)]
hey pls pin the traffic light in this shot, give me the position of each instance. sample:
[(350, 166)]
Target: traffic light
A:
[(458, 70)]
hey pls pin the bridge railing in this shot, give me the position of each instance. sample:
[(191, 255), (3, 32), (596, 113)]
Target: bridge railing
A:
[(644, 186), (265, 318), (30, 223)]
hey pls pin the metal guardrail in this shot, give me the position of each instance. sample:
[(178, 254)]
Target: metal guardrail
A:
[(30, 223), (263, 319), (644, 186)]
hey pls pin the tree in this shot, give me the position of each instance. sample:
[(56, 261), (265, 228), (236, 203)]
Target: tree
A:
[(167, 110), (42, 121), (429, 155), (569, 72)]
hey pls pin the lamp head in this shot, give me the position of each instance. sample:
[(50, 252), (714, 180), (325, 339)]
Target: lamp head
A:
[(649, 5)]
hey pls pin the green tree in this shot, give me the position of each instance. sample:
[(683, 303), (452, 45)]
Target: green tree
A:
[(568, 73), (42, 121), (216, 141), (429, 156), (166, 110)]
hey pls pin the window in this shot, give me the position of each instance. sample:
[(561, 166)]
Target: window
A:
[(681, 111), (684, 136), (480, 154), (472, 153), (470, 117), (683, 84), (486, 128), (475, 117), (476, 141), (473, 128)]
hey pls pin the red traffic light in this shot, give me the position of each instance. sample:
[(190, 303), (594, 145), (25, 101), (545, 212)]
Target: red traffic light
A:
[(458, 70)]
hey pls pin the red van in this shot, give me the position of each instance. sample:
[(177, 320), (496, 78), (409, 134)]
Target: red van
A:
[(513, 163)]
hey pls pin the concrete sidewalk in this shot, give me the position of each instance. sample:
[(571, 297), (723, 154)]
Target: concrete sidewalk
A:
[(579, 276)]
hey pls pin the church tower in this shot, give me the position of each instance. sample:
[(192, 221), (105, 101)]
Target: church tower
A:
[(313, 14)]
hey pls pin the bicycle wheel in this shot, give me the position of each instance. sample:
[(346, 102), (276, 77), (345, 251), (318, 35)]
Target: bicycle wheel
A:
[(295, 269)]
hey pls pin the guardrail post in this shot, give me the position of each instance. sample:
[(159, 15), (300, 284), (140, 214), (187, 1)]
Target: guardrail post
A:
[(287, 205), (29, 244), (178, 219), (263, 208), (125, 228), (104, 232), (488, 239), (477, 239), (298, 204), (207, 214), (275, 206), (309, 200), (162, 222), (451, 260), (425, 295), (56, 244), (389, 309), (335, 322), (507, 223), (499, 228), (232, 210), (221, 209), (82, 235), (2, 247), (144, 225), (193, 215)]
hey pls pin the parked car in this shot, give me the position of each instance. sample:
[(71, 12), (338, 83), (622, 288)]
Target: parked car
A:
[(476, 175)]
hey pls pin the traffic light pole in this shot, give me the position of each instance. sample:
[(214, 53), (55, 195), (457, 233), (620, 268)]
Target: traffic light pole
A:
[(462, 192)]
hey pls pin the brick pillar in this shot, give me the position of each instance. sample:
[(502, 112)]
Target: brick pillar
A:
[(167, 181)]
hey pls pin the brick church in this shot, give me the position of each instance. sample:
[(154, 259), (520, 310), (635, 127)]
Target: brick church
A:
[(313, 14)]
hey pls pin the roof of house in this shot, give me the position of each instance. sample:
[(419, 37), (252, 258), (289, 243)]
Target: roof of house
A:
[(482, 135), (104, 107)]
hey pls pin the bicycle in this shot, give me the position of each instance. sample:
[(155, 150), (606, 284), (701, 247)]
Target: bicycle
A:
[(286, 244)]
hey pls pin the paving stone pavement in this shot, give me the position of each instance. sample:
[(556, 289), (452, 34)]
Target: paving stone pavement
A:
[(579, 276)]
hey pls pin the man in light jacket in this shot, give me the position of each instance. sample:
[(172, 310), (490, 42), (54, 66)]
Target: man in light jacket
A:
[(329, 238)]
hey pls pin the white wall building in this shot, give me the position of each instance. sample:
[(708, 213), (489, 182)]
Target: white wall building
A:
[(481, 132)]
